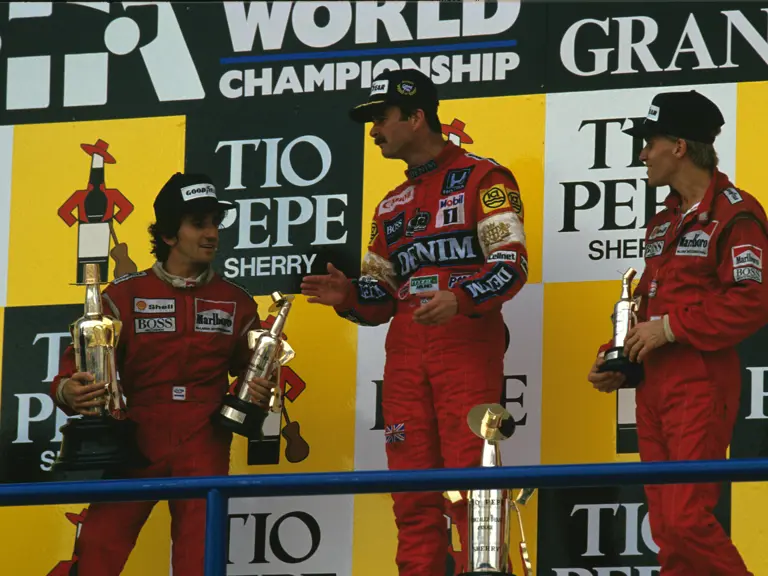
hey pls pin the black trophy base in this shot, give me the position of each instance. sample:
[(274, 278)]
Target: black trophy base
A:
[(253, 420), (616, 361), (486, 573), (97, 448)]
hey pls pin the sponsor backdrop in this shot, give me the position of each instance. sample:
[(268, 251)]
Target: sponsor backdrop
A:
[(255, 94)]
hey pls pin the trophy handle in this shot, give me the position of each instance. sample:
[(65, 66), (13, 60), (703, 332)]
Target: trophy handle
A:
[(253, 337), (523, 547), (286, 353)]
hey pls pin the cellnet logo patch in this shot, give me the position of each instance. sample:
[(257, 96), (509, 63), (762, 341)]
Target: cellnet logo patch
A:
[(165, 57)]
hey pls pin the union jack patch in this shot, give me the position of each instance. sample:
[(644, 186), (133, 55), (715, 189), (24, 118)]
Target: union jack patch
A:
[(394, 433)]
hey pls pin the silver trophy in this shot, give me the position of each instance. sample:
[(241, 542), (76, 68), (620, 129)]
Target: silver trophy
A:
[(98, 445), (489, 510), (270, 352), (624, 319)]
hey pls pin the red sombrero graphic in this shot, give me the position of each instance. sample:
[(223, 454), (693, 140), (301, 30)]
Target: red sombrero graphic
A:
[(456, 128), (99, 148)]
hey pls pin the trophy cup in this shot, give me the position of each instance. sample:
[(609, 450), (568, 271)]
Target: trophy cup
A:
[(489, 509), (100, 445), (270, 352), (624, 318)]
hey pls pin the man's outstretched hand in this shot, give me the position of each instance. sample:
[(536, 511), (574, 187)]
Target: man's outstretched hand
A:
[(329, 289)]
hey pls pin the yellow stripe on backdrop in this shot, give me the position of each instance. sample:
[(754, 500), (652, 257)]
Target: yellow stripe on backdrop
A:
[(578, 424), (748, 499), (511, 131), (49, 165)]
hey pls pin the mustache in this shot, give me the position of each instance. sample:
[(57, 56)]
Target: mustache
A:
[(379, 140)]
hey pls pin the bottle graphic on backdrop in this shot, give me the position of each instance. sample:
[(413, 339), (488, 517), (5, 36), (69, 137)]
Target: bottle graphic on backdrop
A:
[(97, 207)]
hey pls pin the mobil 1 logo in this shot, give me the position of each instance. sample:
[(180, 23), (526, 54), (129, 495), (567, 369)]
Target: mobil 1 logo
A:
[(34, 338), (296, 187), (597, 197)]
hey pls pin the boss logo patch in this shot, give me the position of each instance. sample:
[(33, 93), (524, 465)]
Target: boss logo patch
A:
[(394, 229), (653, 249), (747, 273), (152, 325)]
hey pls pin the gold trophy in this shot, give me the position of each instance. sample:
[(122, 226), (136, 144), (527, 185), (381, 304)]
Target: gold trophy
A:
[(489, 510), (100, 445), (270, 353), (624, 319)]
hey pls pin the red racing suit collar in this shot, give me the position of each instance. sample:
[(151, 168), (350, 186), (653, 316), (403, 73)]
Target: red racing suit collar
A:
[(717, 184), (178, 281), (449, 152)]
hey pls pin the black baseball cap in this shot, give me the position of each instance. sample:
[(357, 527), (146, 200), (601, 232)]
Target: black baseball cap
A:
[(407, 88), (689, 115), (188, 194)]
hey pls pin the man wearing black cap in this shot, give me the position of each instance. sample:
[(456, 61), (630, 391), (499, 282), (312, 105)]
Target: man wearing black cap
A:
[(184, 330), (447, 249), (700, 295)]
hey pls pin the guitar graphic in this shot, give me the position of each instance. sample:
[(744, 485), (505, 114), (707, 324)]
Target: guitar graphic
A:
[(296, 448), (123, 263)]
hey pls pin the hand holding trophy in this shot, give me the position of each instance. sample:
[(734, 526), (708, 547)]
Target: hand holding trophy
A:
[(101, 445), (624, 319), (270, 352)]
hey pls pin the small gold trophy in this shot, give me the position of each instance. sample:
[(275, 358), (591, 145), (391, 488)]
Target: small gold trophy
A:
[(99, 445), (624, 319), (270, 352)]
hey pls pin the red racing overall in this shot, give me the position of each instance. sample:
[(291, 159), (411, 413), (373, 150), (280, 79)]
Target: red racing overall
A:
[(704, 278), (455, 224), (180, 338)]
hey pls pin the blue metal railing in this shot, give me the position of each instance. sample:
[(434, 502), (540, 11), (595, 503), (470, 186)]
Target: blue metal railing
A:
[(219, 489)]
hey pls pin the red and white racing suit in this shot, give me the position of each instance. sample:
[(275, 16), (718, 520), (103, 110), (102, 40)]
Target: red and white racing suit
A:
[(703, 278), (180, 338), (456, 224)]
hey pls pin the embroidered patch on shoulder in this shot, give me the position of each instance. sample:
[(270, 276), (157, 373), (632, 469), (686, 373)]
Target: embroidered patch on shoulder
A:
[(732, 195)]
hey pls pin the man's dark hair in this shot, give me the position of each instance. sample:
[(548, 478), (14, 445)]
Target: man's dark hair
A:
[(433, 121), (169, 228)]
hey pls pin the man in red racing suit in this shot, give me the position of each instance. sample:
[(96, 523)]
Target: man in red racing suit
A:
[(181, 336), (701, 293), (447, 249)]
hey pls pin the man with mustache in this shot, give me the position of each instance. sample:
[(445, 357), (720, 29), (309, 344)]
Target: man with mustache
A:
[(700, 295), (447, 249), (185, 328)]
